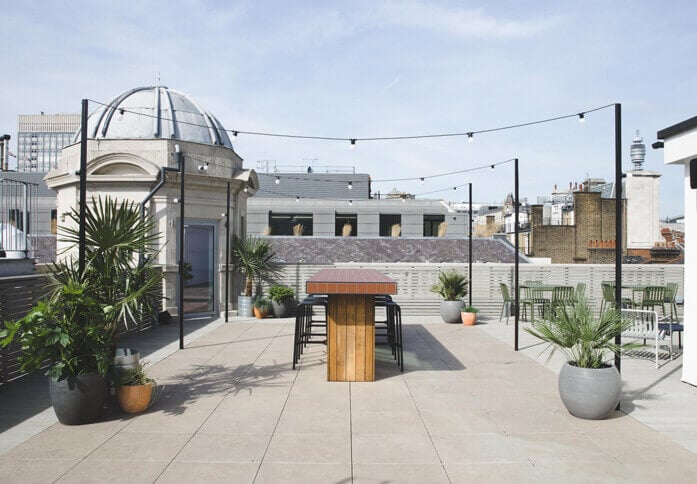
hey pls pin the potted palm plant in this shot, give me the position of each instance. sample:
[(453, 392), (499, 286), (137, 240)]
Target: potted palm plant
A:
[(281, 299), (252, 257), (589, 385), (77, 326), (452, 287), (469, 315), (135, 389)]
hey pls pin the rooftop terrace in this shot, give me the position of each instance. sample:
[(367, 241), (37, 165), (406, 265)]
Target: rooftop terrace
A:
[(467, 408)]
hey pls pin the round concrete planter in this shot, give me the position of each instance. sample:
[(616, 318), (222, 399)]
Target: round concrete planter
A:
[(590, 393), (450, 311), (78, 399)]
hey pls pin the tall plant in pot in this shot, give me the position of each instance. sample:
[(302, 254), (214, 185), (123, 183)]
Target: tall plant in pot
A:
[(74, 331), (589, 385), (76, 328), (452, 287), (251, 256)]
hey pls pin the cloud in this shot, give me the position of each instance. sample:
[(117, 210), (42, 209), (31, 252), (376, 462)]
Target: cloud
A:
[(461, 22)]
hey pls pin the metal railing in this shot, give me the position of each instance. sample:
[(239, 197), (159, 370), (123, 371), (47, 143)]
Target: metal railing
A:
[(18, 204)]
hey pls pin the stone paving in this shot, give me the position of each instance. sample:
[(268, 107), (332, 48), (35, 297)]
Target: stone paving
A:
[(466, 409)]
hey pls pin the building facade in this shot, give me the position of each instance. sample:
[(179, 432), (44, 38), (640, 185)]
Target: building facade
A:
[(138, 145), (41, 139)]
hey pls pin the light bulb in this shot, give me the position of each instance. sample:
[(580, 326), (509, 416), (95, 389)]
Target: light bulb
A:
[(454, 188), (350, 185), (581, 118), (493, 166), (246, 189), (297, 199), (234, 134), (422, 180), (350, 202), (470, 137), (352, 146), (120, 115), (278, 180), (404, 200)]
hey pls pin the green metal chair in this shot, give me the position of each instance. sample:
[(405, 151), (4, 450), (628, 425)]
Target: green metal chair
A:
[(670, 295), (562, 296), (608, 301), (507, 301), (533, 297), (580, 291), (651, 297)]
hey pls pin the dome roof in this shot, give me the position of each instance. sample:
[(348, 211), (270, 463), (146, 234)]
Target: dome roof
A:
[(155, 112)]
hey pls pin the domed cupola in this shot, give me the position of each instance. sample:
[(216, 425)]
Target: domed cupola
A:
[(155, 112)]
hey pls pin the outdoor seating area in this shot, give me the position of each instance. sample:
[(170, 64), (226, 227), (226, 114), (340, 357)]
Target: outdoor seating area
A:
[(466, 408)]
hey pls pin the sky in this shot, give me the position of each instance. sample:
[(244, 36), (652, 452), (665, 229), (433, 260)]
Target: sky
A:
[(359, 69)]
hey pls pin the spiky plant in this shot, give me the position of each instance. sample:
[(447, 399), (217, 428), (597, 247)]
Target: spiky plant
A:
[(252, 257), (120, 267), (451, 286), (584, 339)]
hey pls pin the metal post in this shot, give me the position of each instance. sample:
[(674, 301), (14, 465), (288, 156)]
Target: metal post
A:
[(227, 253), (470, 246), (25, 225), (182, 168), (83, 186), (618, 223), (517, 252)]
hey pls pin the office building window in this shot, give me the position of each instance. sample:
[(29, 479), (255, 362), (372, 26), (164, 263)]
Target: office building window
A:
[(390, 225), (290, 223), (431, 224), (346, 225)]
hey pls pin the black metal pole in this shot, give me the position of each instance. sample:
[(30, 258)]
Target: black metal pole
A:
[(517, 251), (470, 245), (618, 223), (83, 187), (227, 253), (182, 169)]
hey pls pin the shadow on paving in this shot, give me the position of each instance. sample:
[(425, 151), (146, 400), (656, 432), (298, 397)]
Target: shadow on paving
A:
[(27, 396)]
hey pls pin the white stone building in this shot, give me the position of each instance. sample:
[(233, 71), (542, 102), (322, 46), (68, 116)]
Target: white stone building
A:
[(680, 143), (131, 145)]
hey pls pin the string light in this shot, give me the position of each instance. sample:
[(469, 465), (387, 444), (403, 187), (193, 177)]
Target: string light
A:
[(469, 134), (278, 180), (493, 166), (581, 118), (120, 116), (297, 199), (350, 202), (246, 189), (454, 188), (352, 146), (350, 185), (422, 180)]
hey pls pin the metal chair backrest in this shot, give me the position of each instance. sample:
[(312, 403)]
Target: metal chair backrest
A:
[(504, 292), (563, 295), (653, 296), (580, 291), (532, 283), (671, 291)]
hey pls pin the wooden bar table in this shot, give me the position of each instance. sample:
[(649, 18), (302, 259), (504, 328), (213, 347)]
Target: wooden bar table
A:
[(350, 319)]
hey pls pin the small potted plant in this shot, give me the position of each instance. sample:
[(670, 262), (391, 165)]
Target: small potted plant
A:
[(261, 306), (135, 389), (469, 315), (589, 385), (281, 299), (452, 287)]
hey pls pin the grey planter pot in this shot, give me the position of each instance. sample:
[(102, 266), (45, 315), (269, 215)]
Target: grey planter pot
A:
[(450, 311), (590, 393), (284, 309), (244, 306), (78, 399)]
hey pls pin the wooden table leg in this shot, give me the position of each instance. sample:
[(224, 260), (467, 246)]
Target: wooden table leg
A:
[(351, 337)]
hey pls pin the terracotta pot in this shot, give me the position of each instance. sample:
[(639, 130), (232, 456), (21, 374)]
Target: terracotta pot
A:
[(468, 319), (134, 399), (259, 314)]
